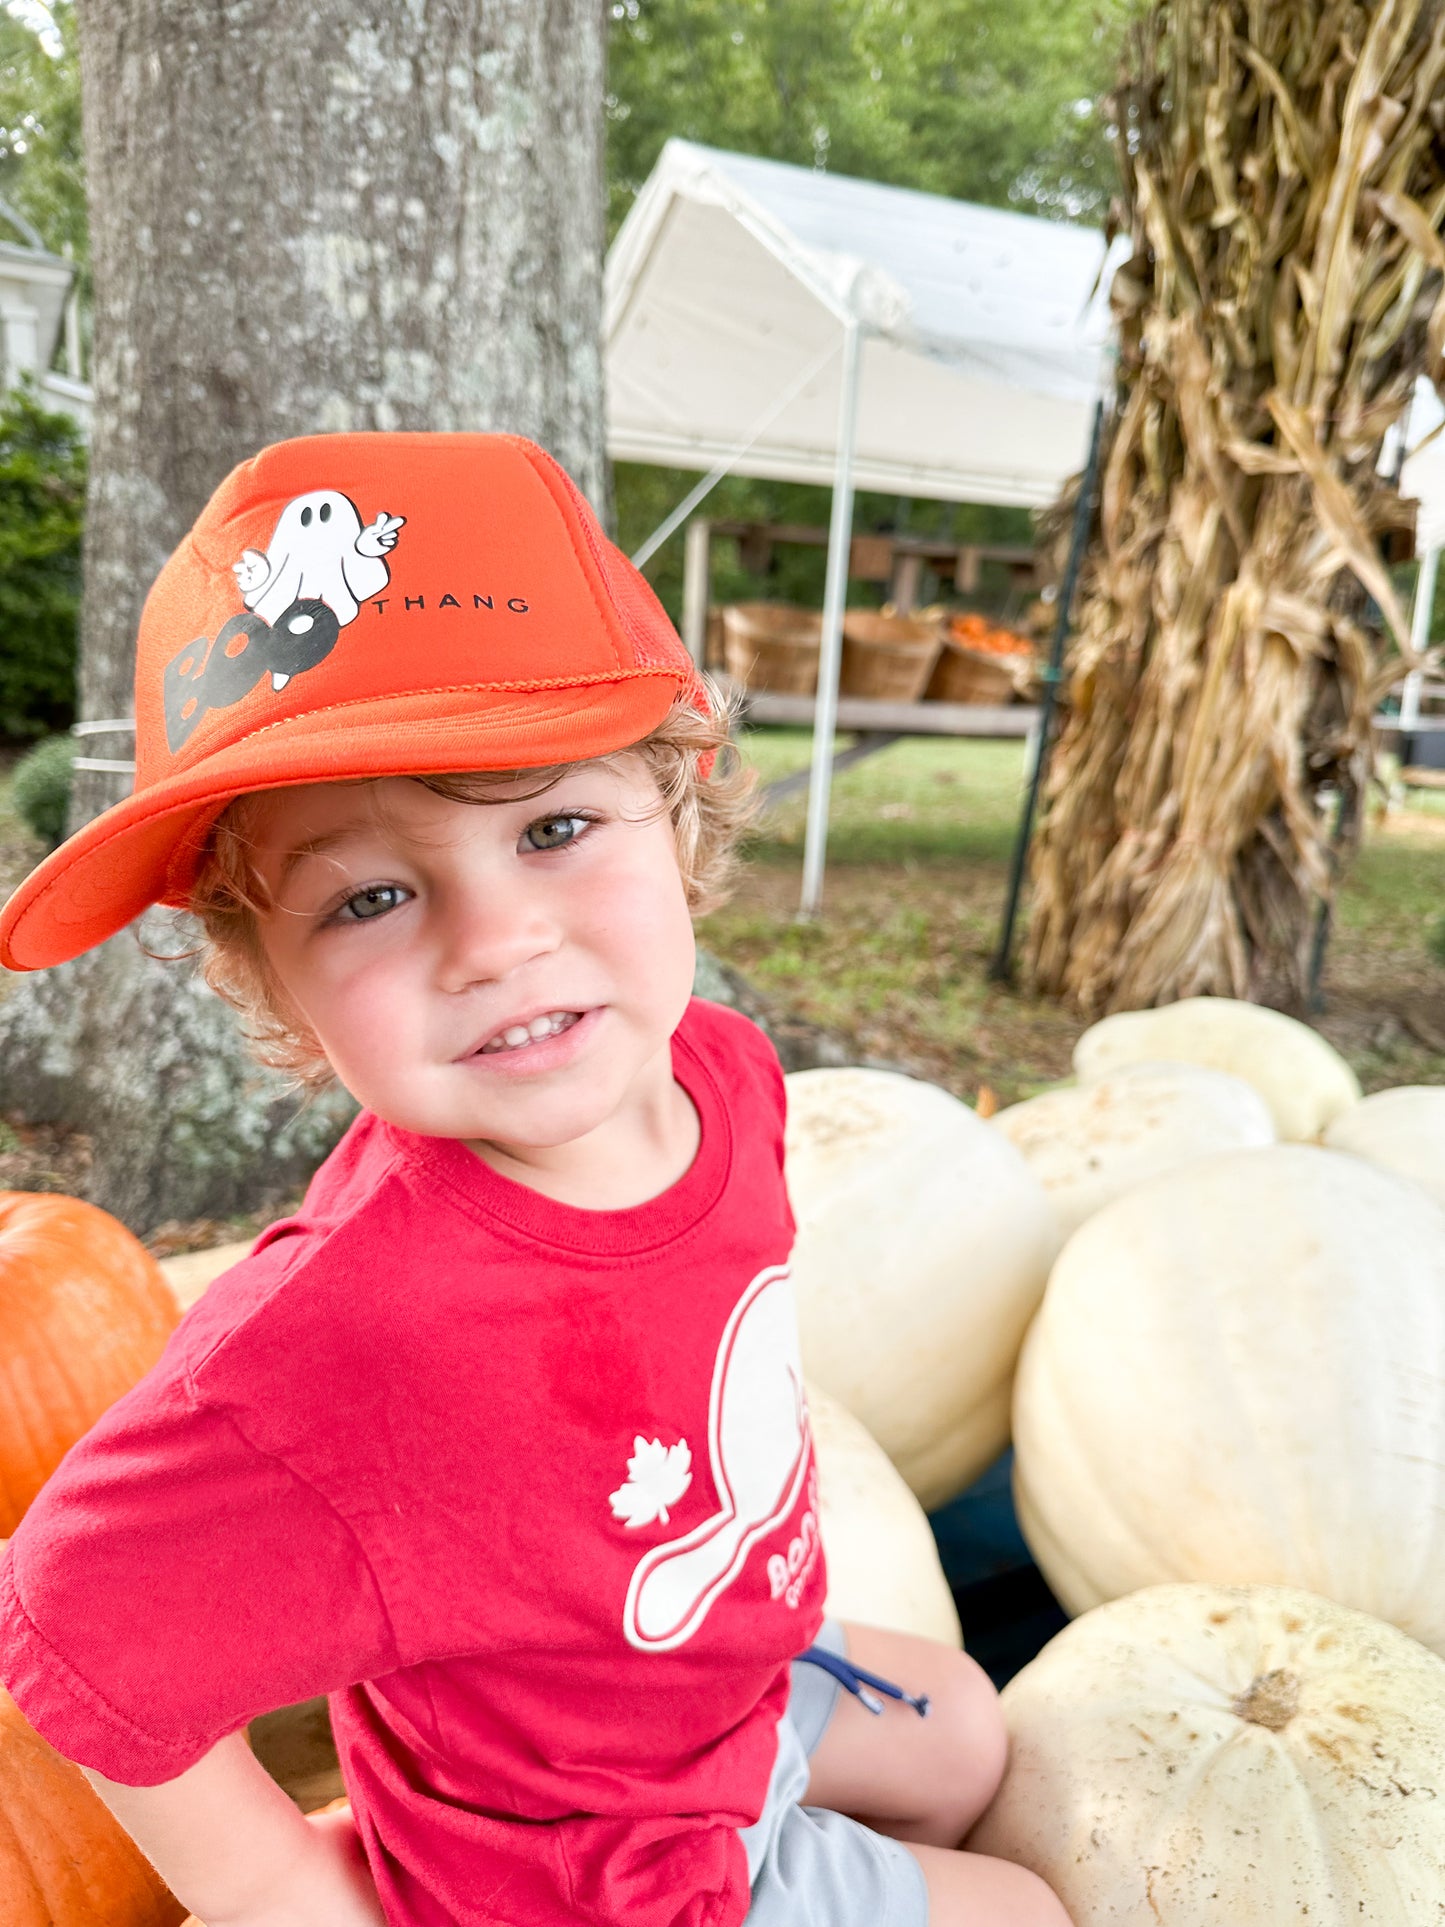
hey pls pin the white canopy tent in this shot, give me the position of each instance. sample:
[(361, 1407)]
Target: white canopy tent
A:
[(780, 322)]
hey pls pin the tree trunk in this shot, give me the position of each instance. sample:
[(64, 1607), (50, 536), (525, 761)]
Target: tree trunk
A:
[(303, 218), (1284, 189)]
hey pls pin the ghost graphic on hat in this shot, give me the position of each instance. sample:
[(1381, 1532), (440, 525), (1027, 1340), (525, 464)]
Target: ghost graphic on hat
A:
[(319, 552), (320, 567)]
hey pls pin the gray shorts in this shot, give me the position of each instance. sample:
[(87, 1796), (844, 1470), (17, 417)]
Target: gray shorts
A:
[(813, 1868)]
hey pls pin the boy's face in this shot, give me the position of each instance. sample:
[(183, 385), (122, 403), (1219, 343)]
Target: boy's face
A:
[(424, 939)]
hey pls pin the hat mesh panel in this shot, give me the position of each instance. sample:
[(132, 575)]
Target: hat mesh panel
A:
[(655, 643)]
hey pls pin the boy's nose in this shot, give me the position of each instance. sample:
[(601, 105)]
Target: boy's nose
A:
[(486, 942)]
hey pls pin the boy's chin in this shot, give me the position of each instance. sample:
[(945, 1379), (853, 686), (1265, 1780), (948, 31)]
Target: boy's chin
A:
[(531, 1121)]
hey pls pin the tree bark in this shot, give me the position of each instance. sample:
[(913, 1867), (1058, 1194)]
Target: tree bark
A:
[(303, 218)]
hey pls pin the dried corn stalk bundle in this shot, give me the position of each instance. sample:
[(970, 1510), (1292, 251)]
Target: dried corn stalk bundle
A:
[(1284, 190)]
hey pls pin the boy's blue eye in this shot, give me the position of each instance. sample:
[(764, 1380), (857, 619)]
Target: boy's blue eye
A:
[(374, 902), (554, 832)]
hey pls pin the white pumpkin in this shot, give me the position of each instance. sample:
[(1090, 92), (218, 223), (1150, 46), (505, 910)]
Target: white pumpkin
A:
[(1199, 1757), (190, 1272), (1402, 1129), (924, 1241), (1235, 1377), (1303, 1079), (1093, 1142), (883, 1566)]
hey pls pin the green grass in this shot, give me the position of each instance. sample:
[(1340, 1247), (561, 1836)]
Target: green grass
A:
[(918, 847), (942, 800), (923, 800), (1393, 889)]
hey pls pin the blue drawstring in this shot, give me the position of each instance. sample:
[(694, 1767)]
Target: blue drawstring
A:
[(858, 1682)]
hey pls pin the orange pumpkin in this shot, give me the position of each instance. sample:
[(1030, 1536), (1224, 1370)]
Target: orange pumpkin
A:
[(64, 1862), (84, 1313), (976, 632)]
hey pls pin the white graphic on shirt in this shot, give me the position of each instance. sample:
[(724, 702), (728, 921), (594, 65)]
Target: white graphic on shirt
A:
[(789, 1573), (318, 551), (758, 1442), (657, 1477)]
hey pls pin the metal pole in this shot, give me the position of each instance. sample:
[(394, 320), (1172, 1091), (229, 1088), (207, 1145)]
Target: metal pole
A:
[(1419, 641), (696, 587), (1001, 966), (835, 590)]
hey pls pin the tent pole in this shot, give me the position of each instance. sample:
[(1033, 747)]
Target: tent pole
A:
[(1419, 641), (830, 655), (696, 587), (1001, 967)]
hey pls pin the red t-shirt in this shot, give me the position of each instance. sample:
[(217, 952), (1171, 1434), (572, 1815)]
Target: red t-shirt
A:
[(527, 1489)]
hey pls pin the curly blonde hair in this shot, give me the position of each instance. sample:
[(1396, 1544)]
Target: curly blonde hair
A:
[(709, 817)]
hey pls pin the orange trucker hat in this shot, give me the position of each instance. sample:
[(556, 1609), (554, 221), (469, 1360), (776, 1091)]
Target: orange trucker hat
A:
[(354, 606)]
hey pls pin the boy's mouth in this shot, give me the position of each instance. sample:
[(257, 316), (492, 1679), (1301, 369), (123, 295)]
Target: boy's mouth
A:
[(521, 1036)]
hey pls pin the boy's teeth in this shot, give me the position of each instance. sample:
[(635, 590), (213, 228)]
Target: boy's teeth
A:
[(516, 1036)]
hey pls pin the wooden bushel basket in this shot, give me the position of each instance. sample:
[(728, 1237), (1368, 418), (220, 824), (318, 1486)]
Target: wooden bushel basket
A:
[(772, 645), (887, 658), (969, 676)]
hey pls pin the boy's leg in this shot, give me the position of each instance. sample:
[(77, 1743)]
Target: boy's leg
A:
[(971, 1890), (815, 1866), (924, 1780)]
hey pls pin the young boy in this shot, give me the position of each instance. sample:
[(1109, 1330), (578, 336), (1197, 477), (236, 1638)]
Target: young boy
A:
[(496, 1442)]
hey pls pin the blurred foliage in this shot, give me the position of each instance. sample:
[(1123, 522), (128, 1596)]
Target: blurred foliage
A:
[(42, 173), (40, 788), (962, 97), (1435, 938), (42, 499)]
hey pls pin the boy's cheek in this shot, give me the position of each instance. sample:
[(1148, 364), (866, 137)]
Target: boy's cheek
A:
[(643, 909), (367, 1019)]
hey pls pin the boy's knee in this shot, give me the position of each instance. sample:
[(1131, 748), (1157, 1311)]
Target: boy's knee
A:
[(971, 1741)]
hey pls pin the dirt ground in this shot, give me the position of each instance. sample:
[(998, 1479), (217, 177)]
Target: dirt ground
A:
[(1384, 1008)]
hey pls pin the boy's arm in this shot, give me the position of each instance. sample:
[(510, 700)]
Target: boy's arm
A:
[(234, 1848)]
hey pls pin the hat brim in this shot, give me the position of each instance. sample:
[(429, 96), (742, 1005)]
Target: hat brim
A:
[(148, 849)]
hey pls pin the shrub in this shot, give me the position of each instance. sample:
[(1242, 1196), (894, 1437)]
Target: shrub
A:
[(40, 788), (42, 501), (1435, 938)]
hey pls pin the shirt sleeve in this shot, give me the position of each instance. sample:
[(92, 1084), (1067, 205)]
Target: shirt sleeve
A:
[(172, 1580)]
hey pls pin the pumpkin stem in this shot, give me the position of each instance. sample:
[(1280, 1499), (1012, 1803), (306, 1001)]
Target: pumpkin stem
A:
[(1271, 1699)]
